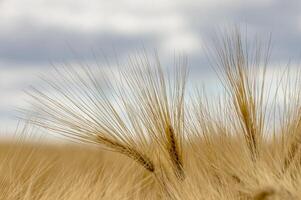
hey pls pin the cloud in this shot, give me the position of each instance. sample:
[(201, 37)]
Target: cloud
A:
[(36, 31), (39, 31), (44, 44), (280, 18)]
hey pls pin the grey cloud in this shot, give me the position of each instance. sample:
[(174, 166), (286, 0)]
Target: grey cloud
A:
[(34, 44), (280, 18)]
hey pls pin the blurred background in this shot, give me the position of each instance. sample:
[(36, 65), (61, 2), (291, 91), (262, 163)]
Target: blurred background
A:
[(36, 34)]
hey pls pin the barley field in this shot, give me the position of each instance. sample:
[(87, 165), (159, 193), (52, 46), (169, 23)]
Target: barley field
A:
[(140, 134)]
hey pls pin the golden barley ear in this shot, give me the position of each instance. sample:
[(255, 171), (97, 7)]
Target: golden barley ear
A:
[(292, 147), (290, 120), (160, 99), (174, 152), (273, 193), (78, 108), (265, 194), (128, 151), (241, 69), (292, 154)]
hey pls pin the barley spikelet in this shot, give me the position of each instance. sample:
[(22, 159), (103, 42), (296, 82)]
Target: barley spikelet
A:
[(293, 151), (238, 67), (292, 154), (174, 152), (291, 119), (270, 193), (130, 152), (265, 194)]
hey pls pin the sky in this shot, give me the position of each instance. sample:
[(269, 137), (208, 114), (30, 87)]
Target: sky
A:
[(36, 34)]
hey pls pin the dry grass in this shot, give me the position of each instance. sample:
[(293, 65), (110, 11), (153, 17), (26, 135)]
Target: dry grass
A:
[(163, 143)]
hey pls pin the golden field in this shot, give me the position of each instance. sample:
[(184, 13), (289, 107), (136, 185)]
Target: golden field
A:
[(219, 171), (141, 136)]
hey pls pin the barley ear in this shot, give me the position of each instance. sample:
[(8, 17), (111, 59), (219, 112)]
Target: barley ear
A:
[(132, 153), (174, 152)]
